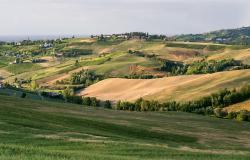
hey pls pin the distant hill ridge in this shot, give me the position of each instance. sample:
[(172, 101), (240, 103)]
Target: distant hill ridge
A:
[(239, 36)]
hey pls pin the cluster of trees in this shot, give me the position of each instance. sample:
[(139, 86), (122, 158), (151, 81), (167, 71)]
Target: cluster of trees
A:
[(242, 115), (213, 66), (53, 95), (139, 76), (68, 96), (201, 67), (141, 54), (139, 105), (88, 101), (210, 105), (77, 52), (85, 78), (173, 67)]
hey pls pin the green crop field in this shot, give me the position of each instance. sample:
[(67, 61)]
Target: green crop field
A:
[(4, 61), (32, 130), (21, 68)]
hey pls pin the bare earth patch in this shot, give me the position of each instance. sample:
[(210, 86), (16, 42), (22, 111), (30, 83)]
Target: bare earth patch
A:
[(87, 40), (4, 74)]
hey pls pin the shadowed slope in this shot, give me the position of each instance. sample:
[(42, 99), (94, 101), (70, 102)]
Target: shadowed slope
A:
[(54, 131)]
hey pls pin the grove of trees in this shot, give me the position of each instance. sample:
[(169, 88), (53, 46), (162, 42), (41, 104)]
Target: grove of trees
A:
[(85, 77)]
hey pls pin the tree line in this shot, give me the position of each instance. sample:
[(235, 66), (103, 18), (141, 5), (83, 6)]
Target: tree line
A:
[(209, 105), (69, 97), (212, 105), (76, 52)]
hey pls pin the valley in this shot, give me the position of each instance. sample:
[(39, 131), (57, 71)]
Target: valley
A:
[(124, 98)]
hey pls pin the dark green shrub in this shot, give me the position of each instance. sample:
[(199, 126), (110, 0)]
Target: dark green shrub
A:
[(107, 104), (232, 115), (86, 101), (242, 115), (23, 95)]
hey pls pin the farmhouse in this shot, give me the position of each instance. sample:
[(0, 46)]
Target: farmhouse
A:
[(59, 55), (46, 45), (18, 44)]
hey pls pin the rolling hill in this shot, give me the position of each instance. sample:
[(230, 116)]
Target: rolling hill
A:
[(240, 36), (238, 107), (54, 131), (171, 88), (112, 59), (43, 126), (108, 58)]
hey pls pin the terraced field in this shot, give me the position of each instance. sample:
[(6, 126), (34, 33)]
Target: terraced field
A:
[(32, 130)]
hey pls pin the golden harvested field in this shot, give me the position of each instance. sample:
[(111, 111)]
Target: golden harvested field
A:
[(181, 88), (242, 55), (238, 107)]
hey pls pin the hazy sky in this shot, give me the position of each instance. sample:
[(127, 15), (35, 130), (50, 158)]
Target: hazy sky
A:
[(59, 17)]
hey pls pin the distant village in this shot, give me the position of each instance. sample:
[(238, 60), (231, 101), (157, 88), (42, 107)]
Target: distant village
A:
[(131, 35), (43, 44)]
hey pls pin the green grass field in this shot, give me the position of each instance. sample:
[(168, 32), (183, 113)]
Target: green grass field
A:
[(36, 130), (4, 61), (21, 68)]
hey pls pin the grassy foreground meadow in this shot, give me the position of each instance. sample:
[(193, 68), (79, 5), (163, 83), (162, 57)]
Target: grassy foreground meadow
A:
[(35, 130)]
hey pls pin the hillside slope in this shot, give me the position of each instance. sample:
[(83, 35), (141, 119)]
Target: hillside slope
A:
[(228, 36), (238, 107), (32, 130), (177, 88)]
